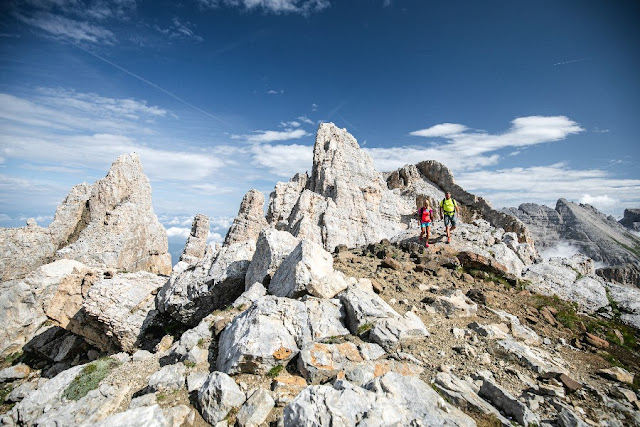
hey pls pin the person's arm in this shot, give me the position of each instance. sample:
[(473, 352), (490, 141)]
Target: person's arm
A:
[(457, 208)]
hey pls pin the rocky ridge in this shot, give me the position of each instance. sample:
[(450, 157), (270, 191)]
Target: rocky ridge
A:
[(272, 329), (594, 234)]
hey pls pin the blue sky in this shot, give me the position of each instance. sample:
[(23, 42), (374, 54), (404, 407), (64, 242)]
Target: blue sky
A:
[(526, 101)]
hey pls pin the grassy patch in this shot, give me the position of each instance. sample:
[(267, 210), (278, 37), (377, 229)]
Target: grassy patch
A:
[(161, 396), (611, 359), (11, 359), (189, 364), (202, 343), (89, 378), (275, 371), (567, 315), (231, 416), (4, 392), (364, 328)]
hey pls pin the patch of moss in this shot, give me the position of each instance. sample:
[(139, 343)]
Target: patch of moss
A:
[(11, 359), (189, 363), (331, 340), (364, 328), (275, 371), (4, 392), (161, 396), (201, 343), (89, 378)]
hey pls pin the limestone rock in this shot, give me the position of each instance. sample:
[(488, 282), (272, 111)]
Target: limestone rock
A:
[(364, 308), (321, 362), (118, 310), (151, 416), (565, 278), (628, 273), (389, 400), (508, 404), (455, 304), (169, 377), (249, 296), (326, 318), (389, 332), (190, 339), (631, 219), (218, 396), (283, 199), (365, 372), (54, 289), (269, 333), (214, 282), (249, 221), (535, 359), (272, 248), (518, 330), (196, 244), (303, 270), (256, 409), (121, 230), (617, 374), (628, 301)]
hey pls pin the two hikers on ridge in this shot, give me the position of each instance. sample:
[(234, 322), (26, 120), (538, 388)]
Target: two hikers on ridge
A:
[(448, 210)]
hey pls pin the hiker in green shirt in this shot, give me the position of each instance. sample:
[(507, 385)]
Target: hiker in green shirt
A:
[(448, 211)]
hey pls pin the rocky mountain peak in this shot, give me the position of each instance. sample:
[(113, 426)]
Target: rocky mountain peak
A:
[(250, 219), (338, 160)]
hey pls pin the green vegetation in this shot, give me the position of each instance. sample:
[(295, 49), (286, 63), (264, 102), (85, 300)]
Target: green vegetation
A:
[(275, 371), (161, 396), (635, 251), (4, 392), (567, 315), (189, 363), (89, 378), (331, 340), (201, 343), (11, 359), (231, 416), (364, 328)]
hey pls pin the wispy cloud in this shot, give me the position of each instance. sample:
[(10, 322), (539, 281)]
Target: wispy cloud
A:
[(307, 120), (283, 160), (444, 129), (180, 30), (467, 150), (570, 61), (69, 29), (275, 92), (272, 135), (303, 7)]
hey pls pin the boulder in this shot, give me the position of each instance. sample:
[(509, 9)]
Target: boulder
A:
[(326, 318), (321, 362), (269, 333), (617, 374), (256, 409), (303, 271), (248, 297), (455, 304), (507, 404), (118, 310), (627, 299), (389, 332), (283, 199), (535, 359), (364, 308), (151, 416), (218, 396), (168, 378), (53, 289), (272, 248)]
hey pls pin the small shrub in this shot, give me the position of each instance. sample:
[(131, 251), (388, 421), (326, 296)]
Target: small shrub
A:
[(89, 378), (275, 371)]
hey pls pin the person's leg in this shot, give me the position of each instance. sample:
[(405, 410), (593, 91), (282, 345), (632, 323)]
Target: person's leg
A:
[(422, 227), (453, 223), (447, 227), (427, 240)]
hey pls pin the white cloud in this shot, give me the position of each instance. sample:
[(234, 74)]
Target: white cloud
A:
[(444, 129), (303, 7), (466, 150), (178, 232), (546, 184), (291, 124), (284, 160), (210, 189), (272, 135), (314, 107), (307, 120), (602, 203), (69, 29)]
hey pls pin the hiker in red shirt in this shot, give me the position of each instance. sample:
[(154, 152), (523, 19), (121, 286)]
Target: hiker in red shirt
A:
[(425, 213)]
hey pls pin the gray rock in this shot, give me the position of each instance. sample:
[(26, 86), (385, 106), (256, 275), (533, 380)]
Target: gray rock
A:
[(302, 272), (109, 223), (364, 308), (192, 338), (537, 360), (148, 399), (253, 293), (118, 310), (365, 372), (151, 416), (326, 318), (141, 355), (455, 304), (196, 245), (628, 301), (272, 248), (567, 418), (218, 396), (196, 380), (16, 372), (319, 362), (494, 331), (507, 404), (249, 221), (256, 409), (518, 330), (269, 333), (283, 199), (169, 377), (20, 392), (565, 277), (463, 395), (389, 332)]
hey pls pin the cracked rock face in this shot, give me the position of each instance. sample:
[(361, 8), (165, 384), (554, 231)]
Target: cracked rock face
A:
[(110, 223)]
